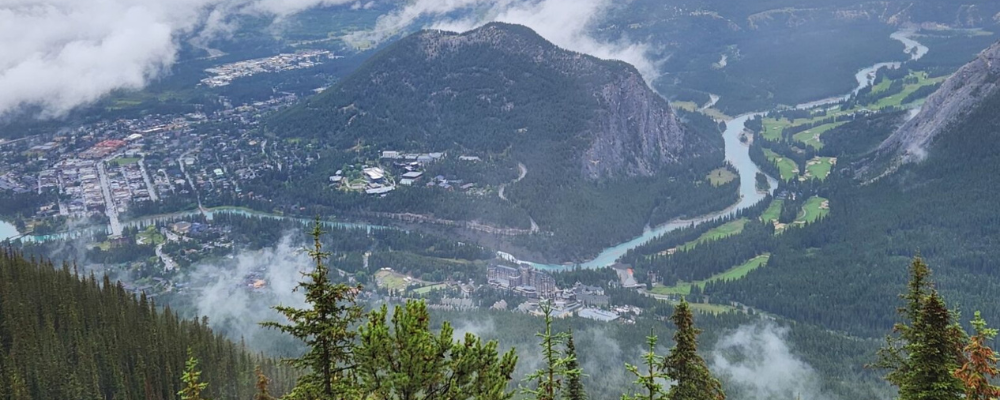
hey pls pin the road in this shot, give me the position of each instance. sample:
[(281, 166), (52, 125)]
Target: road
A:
[(149, 184), (523, 172), (180, 162), (168, 263), (109, 204)]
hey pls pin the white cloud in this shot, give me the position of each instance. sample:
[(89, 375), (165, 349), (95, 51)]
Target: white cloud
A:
[(757, 359), (567, 23), (59, 54)]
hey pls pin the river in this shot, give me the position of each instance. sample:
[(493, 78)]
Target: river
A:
[(7, 231), (737, 154)]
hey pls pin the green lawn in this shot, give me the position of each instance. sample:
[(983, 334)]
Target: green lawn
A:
[(427, 289), (727, 229), (737, 272), (811, 136), (896, 100), (819, 167), (813, 210), (391, 280), (150, 236), (720, 176), (772, 212), (714, 309), (786, 167)]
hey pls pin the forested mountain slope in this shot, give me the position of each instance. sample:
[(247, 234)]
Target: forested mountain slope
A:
[(960, 95), (502, 88), (943, 207), (66, 338)]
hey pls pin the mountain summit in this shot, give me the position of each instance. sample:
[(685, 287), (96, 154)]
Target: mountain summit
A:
[(502, 88)]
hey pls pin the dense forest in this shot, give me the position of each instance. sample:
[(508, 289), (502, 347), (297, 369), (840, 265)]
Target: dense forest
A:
[(65, 336)]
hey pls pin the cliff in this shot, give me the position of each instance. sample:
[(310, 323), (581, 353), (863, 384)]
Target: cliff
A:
[(960, 95)]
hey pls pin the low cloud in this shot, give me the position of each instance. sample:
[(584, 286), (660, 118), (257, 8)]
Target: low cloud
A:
[(567, 23), (757, 360), (60, 54), (222, 294)]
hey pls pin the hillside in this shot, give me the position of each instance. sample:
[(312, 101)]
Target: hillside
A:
[(502, 88), (960, 95), (66, 338), (585, 131)]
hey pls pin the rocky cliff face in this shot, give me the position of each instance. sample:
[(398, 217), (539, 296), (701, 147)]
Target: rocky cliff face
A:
[(958, 96), (503, 88), (632, 130)]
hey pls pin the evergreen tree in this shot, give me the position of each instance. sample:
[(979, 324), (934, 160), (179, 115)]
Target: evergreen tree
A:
[(650, 380), (262, 383), (325, 327), (191, 380), (574, 384), (893, 356), (981, 363), (549, 379), (934, 355), (692, 379), (406, 360)]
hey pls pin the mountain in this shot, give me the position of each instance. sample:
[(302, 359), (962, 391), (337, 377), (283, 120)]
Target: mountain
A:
[(63, 337), (502, 88), (959, 96)]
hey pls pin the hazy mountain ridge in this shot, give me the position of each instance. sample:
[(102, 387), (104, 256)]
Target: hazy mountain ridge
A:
[(499, 86)]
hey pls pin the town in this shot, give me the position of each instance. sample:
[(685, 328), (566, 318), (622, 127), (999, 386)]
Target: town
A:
[(225, 74)]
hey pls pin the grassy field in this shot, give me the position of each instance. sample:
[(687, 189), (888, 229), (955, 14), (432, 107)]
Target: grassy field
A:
[(786, 167), (728, 229), (124, 161), (685, 105), (391, 280), (815, 208), (720, 176), (150, 236), (772, 212), (714, 309), (819, 167), (811, 137), (427, 289), (737, 272), (896, 100)]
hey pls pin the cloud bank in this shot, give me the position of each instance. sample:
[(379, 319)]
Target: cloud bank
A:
[(59, 54), (567, 23), (758, 360)]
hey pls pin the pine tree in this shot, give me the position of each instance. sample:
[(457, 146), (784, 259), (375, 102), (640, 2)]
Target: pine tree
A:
[(574, 374), (408, 361), (325, 327), (981, 363), (650, 380), (933, 355), (692, 379), (191, 380), (893, 356), (549, 379), (262, 383)]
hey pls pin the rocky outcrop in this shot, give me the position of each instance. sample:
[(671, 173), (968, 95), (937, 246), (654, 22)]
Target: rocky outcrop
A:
[(502, 88), (635, 133), (958, 96)]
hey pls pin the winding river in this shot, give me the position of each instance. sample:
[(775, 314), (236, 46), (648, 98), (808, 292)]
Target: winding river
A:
[(737, 154)]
